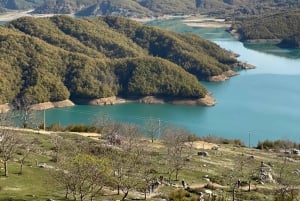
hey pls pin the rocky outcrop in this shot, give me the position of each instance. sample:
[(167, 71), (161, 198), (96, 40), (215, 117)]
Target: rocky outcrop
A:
[(208, 100), (48, 105), (243, 66), (102, 101), (224, 76), (151, 100)]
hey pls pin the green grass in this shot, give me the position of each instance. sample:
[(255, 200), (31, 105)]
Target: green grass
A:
[(37, 183)]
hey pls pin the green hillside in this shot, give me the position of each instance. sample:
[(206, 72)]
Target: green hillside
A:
[(52, 59), (286, 29), (149, 8)]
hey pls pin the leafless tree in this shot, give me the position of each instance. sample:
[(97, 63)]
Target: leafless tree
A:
[(24, 149), (24, 113), (179, 145), (83, 176), (58, 144), (8, 146), (152, 128)]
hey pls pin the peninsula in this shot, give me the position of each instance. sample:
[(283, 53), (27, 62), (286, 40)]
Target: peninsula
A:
[(60, 57)]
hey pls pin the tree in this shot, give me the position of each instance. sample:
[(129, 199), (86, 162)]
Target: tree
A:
[(83, 176), (152, 128), (27, 116), (58, 143), (8, 146), (130, 162), (179, 145), (24, 150), (288, 182)]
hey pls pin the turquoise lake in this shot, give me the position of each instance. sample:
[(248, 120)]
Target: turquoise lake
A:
[(263, 102)]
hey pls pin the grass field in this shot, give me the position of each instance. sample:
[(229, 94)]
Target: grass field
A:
[(216, 172)]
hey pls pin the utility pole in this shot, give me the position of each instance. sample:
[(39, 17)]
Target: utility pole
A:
[(44, 120), (249, 138), (159, 127)]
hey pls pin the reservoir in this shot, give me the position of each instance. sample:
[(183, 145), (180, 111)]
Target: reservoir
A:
[(263, 103)]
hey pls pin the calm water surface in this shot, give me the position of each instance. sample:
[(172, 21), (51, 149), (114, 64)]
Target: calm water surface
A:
[(263, 102)]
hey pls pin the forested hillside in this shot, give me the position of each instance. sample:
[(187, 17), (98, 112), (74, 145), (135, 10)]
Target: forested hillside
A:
[(150, 8), (52, 59), (283, 26)]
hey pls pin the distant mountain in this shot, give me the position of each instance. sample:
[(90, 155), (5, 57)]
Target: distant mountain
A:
[(19, 4), (144, 8), (277, 25), (51, 59)]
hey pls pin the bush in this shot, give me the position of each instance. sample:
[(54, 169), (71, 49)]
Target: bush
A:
[(181, 195), (81, 128)]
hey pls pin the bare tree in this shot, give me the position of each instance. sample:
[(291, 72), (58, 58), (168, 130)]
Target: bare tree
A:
[(58, 144), (152, 128), (83, 176), (25, 148), (8, 146), (128, 161), (24, 112), (179, 146)]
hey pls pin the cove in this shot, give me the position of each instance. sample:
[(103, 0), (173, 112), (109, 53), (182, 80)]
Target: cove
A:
[(262, 103)]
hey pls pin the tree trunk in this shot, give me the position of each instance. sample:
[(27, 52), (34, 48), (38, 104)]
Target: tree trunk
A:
[(21, 168), (249, 187), (5, 169), (125, 195), (176, 174)]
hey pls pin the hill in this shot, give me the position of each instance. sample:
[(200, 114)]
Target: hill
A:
[(19, 4), (52, 59), (262, 27), (149, 8), (177, 166)]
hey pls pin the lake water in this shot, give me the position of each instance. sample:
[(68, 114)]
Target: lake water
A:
[(263, 103)]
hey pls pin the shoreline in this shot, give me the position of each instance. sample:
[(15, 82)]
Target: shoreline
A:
[(206, 101), (203, 21)]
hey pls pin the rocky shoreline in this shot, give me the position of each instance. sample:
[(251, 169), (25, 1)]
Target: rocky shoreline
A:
[(40, 106), (206, 101)]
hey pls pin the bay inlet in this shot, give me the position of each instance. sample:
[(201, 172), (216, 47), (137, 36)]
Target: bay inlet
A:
[(262, 103)]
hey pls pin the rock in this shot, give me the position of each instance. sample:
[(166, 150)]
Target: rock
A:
[(104, 101), (207, 179), (243, 66), (203, 153), (44, 165), (151, 100), (48, 105), (4, 108), (208, 100), (207, 191)]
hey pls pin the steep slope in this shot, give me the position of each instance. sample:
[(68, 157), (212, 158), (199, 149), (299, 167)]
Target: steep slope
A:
[(196, 55), (126, 8), (51, 59), (20, 4)]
